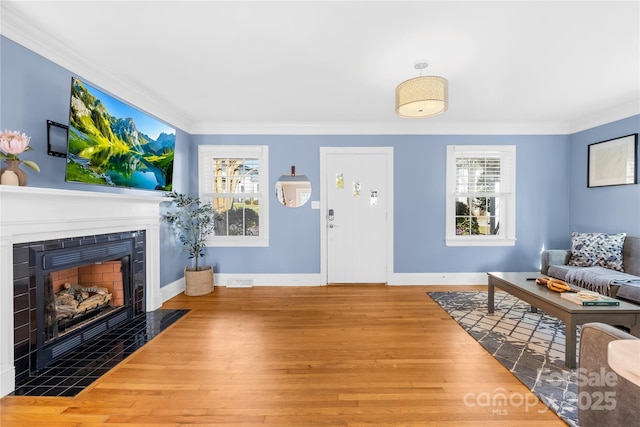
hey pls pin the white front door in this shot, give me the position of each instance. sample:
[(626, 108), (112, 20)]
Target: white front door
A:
[(357, 222)]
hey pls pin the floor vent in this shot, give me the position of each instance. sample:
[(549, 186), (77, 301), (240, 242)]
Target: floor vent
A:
[(240, 283)]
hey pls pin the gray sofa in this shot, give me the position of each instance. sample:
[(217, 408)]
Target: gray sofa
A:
[(554, 263), (607, 399)]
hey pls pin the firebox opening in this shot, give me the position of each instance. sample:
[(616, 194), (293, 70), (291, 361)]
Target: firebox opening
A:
[(80, 294)]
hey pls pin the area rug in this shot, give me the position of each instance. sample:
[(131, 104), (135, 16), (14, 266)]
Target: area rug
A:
[(530, 345)]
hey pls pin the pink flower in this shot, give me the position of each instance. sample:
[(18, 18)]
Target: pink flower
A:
[(14, 142)]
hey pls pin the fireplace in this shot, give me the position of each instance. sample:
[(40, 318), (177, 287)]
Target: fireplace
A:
[(35, 220), (83, 287), (76, 296)]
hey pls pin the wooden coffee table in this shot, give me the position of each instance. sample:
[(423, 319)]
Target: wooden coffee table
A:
[(550, 302)]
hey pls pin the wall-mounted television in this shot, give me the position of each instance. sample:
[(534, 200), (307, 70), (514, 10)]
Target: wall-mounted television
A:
[(114, 144)]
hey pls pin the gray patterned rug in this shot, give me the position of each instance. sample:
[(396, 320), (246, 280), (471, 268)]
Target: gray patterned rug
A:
[(530, 345)]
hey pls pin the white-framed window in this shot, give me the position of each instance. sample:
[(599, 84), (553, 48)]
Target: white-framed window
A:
[(235, 179), (481, 198)]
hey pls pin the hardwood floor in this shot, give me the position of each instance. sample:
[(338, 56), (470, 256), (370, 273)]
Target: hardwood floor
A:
[(304, 356)]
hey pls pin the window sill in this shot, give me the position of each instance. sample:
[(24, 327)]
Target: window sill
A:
[(474, 241), (222, 242)]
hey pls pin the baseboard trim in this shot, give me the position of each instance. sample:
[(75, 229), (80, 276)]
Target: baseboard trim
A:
[(250, 280), (399, 279), (172, 289), (7, 380), (402, 279)]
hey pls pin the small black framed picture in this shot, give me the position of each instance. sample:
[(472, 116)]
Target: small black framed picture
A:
[(613, 162)]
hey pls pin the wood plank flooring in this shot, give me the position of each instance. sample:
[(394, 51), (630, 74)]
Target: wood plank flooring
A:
[(358, 355)]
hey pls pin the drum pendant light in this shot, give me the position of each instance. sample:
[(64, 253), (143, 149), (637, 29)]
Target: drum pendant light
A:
[(422, 96)]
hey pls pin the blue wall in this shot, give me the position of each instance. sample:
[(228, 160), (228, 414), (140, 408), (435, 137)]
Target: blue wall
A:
[(613, 209), (35, 90), (419, 197), (552, 198)]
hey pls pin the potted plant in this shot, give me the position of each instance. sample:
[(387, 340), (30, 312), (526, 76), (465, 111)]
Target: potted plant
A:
[(193, 221)]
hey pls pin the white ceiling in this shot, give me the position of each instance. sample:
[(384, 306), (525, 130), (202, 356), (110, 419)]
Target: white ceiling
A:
[(332, 66)]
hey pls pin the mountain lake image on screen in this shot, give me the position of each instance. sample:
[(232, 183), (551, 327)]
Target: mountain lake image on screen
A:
[(114, 144)]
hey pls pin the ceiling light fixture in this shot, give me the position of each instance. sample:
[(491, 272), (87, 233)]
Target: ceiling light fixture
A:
[(422, 96)]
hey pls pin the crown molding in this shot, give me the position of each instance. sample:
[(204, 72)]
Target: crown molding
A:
[(380, 128), (33, 38), (603, 117), (424, 127)]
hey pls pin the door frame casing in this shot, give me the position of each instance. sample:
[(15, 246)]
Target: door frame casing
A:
[(324, 152)]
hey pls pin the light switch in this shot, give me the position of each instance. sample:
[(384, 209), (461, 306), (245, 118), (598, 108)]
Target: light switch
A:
[(315, 204)]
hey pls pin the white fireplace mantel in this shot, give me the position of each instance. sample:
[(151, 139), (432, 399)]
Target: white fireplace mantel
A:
[(30, 214)]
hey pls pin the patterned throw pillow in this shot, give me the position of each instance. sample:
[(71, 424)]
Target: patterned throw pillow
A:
[(597, 249)]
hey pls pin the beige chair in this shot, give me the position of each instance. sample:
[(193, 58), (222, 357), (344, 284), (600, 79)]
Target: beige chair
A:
[(604, 397)]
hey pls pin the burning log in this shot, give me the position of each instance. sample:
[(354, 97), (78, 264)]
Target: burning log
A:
[(95, 301), (63, 298), (75, 289), (75, 299)]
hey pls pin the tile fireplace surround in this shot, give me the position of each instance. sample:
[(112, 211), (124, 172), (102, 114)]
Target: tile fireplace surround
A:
[(30, 214)]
